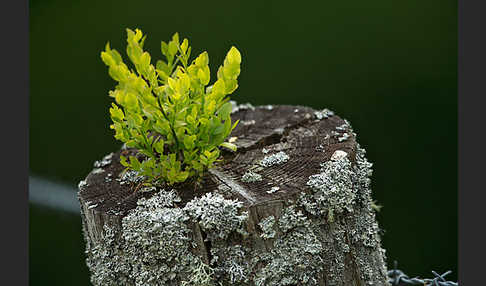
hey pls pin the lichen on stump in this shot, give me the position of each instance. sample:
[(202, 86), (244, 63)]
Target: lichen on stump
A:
[(292, 206)]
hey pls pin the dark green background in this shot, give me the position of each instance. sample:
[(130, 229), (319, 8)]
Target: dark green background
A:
[(387, 66)]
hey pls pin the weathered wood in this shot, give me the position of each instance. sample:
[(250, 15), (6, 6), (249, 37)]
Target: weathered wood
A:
[(291, 207)]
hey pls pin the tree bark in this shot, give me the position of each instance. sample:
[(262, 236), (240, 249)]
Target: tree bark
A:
[(291, 207)]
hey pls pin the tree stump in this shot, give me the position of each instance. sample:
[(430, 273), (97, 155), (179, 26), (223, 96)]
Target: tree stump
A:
[(291, 207)]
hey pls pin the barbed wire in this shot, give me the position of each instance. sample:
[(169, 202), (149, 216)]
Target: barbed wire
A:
[(398, 278)]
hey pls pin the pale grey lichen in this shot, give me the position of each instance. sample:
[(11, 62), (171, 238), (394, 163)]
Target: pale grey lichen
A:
[(92, 206), (148, 189), (97, 171), (344, 137), (82, 184), (295, 256), (346, 128), (365, 231), (348, 124), (246, 106), (292, 218), (336, 255), (237, 107), (362, 229), (247, 122), (104, 162), (109, 178), (156, 243), (279, 130), (267, 226), (130, 176), (325, 113), (116, 212), (217, 216), (250, 177), (153, 245), (160, 200), (232, 264), (200, 274), (332, 188), (363, 170), (151, 248), (341, 127), (274, 159), (338, 155), (106, 261), (273, 190)]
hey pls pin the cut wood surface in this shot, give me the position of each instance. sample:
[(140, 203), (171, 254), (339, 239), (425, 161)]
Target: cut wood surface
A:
[(292, 206)]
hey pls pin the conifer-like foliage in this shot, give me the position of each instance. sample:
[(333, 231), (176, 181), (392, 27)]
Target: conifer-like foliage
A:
[(167, 111)]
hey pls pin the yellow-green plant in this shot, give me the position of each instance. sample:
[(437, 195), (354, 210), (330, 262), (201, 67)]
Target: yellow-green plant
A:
[(167, 111)]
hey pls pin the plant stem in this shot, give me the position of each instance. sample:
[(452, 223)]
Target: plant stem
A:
[(172, 129)]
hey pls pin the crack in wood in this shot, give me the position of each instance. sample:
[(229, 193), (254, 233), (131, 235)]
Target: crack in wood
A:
[(233, 185)]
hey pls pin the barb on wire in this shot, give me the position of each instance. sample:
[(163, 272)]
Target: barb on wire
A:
[(398, 278)]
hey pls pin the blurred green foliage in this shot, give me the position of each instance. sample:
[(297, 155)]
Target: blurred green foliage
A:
[(389, 67)]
